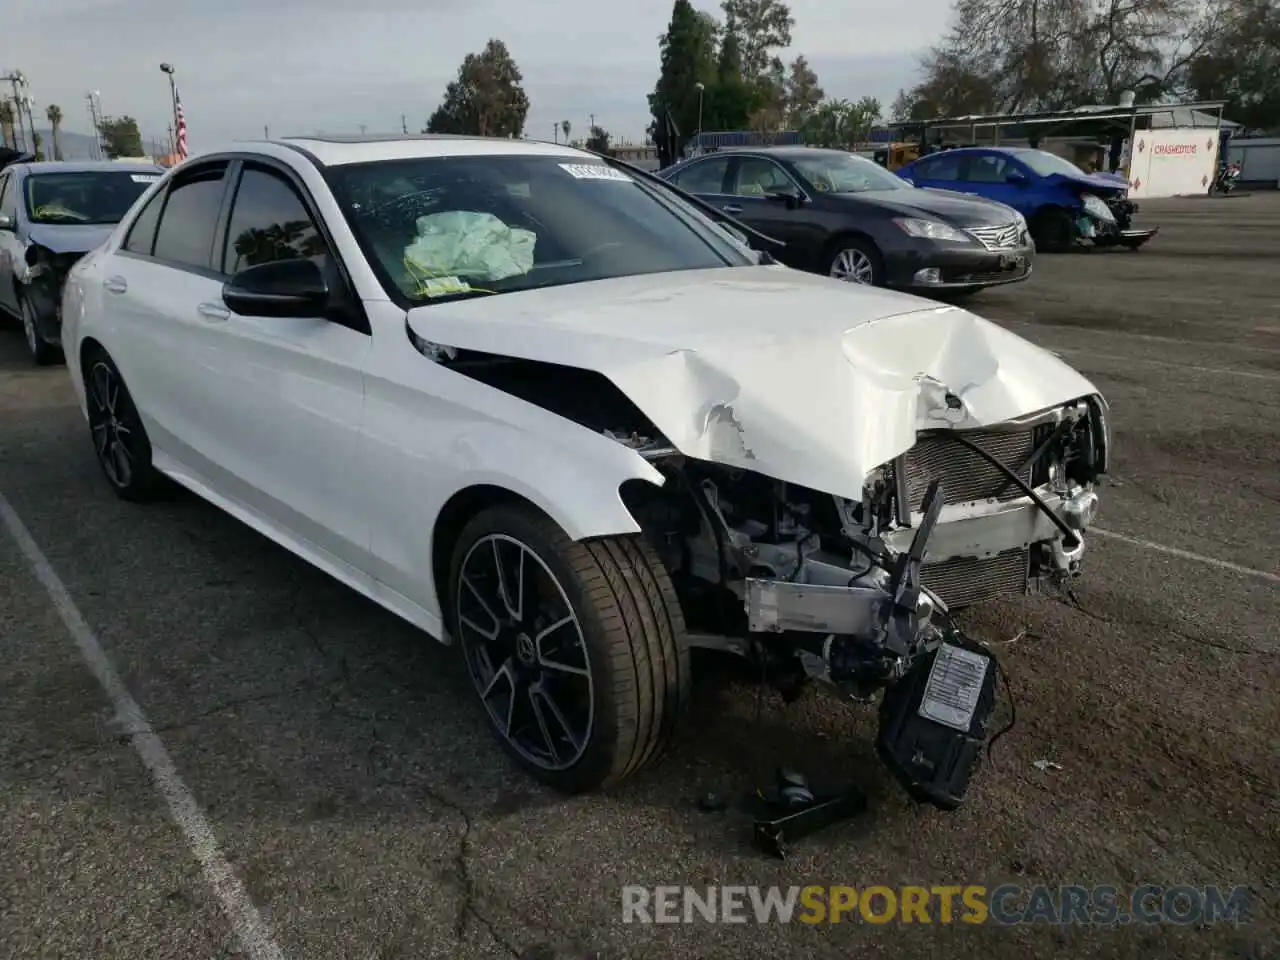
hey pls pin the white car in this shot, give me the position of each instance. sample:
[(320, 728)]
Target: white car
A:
[(544, 406)]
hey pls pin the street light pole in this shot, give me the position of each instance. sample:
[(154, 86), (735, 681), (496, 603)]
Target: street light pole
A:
[(95, 114), (701, 88), (167, 68), (18, 82)]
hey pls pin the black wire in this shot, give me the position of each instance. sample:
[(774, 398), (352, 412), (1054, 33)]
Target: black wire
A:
[(1068, 535)]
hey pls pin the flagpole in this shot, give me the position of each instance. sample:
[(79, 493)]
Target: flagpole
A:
[(167, 68)]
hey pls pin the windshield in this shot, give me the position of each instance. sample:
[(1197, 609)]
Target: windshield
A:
[(1047, 164), (440, 228), (835, 172), (98, 196)]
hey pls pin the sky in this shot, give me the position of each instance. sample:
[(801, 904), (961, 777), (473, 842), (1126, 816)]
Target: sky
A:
[(304, 66)]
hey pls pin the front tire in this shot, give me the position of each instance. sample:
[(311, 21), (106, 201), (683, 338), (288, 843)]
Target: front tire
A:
[(120, 441), (1053, 230), (576, 649), (855, 260), (42, 352)]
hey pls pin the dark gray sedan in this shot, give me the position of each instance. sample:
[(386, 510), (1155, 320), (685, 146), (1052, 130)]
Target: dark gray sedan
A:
[(52, 214), (848, 217)]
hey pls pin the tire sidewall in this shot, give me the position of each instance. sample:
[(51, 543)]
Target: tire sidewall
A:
[(142, 483), (42, 352), (1054, 230), (602, 744)]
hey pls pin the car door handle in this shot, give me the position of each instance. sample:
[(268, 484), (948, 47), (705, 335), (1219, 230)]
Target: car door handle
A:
[(731, 208), (213, 312), (115, 285)]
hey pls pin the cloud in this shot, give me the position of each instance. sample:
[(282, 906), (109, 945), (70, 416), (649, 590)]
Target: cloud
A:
[(298, 66)]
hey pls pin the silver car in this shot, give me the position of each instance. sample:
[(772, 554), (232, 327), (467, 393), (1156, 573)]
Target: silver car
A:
[(52, 214)]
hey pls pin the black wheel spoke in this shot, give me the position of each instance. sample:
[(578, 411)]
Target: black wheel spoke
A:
[(545, 638), (547, 737), (539, 695), (511, 610), (101, 437)]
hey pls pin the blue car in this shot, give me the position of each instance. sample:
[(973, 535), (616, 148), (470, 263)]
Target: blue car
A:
[(1061, 203)]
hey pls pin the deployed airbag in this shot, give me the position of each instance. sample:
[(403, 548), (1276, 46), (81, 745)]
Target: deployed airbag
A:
[(470, 245)]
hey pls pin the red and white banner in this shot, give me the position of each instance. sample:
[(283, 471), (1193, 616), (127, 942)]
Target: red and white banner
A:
[(1177, 162)]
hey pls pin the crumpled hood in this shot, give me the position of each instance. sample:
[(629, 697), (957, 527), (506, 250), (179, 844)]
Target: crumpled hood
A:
[(70, 237), (799, 377), (1094, 183), (961, 209)]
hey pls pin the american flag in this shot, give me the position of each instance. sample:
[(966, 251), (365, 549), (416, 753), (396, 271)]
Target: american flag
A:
[(181, 120)]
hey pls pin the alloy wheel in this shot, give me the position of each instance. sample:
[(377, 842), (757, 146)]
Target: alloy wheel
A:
[(525, 652), (108, 409), (29, 327), (853, 266)]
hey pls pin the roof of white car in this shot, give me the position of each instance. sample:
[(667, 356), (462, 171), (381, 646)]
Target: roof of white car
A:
[(337, 151)]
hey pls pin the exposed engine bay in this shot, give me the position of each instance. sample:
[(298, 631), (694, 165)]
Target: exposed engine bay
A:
[(857, 593), (42, 276)]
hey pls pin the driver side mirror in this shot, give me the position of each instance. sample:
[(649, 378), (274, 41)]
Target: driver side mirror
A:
[(6, 222), (1017, 178), (282, 288), (790, 197)]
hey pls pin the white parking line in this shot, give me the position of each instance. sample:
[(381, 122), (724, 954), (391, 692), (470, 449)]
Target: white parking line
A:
[(249, 927), (1220, 371), (1188, 555)]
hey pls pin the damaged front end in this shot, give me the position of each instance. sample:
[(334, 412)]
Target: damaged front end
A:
[(41, 278), (859, 593)]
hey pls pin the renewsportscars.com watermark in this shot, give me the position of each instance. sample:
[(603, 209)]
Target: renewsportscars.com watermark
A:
[(1008, 905)]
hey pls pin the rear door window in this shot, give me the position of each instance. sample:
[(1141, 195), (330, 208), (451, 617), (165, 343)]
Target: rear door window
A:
[(190, 219), (939, 168), (705, 176)]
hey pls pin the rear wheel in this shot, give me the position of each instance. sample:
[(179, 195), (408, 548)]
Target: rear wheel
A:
[(855, 260), (1053, 230), (576, 649), (119, 439), (42, 352)]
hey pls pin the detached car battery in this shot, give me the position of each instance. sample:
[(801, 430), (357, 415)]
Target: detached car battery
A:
[(933, 722)]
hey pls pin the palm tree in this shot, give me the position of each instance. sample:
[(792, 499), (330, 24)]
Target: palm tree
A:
[(6, 125), (566, 126), (54, 115)]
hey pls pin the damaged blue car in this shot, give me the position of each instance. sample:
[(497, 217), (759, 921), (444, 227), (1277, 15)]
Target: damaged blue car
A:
[(1062, 204), (51, 215)]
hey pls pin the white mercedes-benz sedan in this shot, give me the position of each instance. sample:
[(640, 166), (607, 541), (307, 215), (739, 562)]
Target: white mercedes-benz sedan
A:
[(556, 412)]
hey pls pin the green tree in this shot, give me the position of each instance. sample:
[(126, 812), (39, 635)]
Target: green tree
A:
[(1013, 55), (841, 123), (566, 126), (1242, 66), (762, 27), (803, 93), (598, 140), (120, 137), (38, 145), (54, 116), (688, 50), (730, 100), (486, 99)]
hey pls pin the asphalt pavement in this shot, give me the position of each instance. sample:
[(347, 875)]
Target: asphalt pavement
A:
[(303, 766)]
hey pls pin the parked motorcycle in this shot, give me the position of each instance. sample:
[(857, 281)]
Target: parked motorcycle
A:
[(1225, 181)]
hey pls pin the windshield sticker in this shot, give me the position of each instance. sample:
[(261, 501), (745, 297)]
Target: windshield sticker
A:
[(442, 286), (145, 177), (594, 171)]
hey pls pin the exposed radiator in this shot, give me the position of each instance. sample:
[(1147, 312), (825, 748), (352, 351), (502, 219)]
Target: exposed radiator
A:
[(964, 580), (966, 476)]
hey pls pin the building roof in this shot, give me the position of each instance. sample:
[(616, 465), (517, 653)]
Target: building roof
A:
[(1204, 113)]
